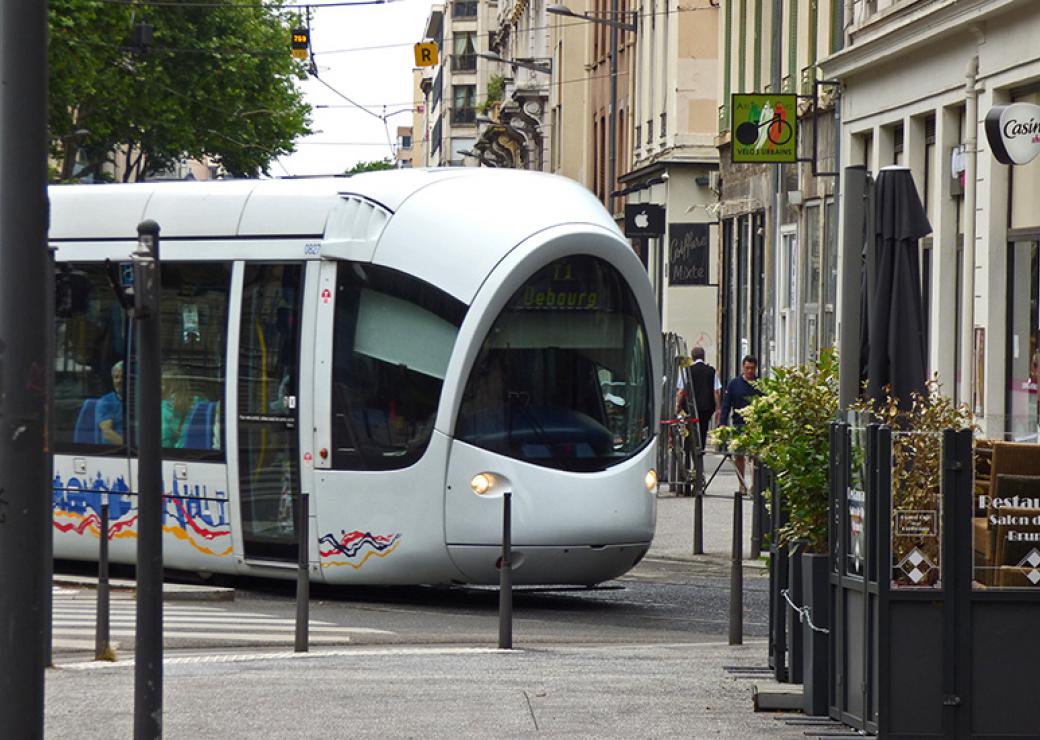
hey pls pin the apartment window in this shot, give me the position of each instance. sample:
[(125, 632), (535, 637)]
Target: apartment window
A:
[(405, 141), (811, 293), (462, 107), (664, 125), (638, 137), (464, 9), (649, 132), (464, 55)]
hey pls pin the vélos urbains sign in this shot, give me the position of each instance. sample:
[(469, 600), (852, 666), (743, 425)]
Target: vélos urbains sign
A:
[(644, 219), (765, 128), (688, 254), (1013, 132)]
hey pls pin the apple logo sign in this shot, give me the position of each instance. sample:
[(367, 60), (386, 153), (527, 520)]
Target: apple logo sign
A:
[(641, 220)]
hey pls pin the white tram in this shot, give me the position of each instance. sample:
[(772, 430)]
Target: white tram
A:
[(376, 342)]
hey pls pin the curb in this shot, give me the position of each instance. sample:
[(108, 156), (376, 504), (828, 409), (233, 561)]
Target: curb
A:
[(171, 591)]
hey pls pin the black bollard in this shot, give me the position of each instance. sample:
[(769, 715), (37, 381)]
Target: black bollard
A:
[(736, 575), (505, 583), (756, 512), (102, 637), (698, 520), (303, 578)]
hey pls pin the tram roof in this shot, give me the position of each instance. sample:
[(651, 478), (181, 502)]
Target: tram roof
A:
[(449, 226)]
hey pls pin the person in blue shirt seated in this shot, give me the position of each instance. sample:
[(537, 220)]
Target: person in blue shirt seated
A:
[(109, 413), (739, 393)]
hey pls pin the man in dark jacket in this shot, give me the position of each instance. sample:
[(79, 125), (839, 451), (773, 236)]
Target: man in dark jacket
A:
[(699, 393), (739, 393)]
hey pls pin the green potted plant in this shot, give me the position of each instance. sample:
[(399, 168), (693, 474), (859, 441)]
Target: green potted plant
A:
[(788, 429), (917, 468)]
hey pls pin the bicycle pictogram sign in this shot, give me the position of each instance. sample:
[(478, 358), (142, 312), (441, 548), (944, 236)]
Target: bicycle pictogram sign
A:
[(765, 128)]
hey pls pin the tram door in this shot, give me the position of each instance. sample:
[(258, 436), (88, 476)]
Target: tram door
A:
[(269, 342)]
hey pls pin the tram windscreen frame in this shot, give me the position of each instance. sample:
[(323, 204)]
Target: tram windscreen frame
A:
[(562, 379)]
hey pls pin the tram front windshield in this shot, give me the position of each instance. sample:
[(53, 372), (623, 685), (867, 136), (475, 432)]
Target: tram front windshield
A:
[(562, 379)]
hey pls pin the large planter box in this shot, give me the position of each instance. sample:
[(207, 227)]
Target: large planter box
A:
[(815, 643)]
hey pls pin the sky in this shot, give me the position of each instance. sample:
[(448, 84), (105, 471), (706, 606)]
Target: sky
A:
[(380, 79)]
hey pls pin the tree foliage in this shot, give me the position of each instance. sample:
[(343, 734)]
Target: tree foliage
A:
[(374, 165), (218, 82), (788, 428)]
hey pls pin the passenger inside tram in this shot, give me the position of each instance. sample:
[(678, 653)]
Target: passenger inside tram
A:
[(109, 413)]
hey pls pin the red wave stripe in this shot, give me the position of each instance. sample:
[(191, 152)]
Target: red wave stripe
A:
[(114, 528), (207, 533)]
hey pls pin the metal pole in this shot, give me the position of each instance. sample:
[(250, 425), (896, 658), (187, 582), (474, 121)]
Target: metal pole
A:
[(303, 580), (505, 583), (698, 520), (48, 543), (612, 144), (756, 512), (698, 495), (736, 574), (102, 644), (148, 648), (853, 239), (24, 439)]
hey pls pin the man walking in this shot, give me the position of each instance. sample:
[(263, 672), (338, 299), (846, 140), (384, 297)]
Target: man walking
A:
[(739, 393), (699, 393)]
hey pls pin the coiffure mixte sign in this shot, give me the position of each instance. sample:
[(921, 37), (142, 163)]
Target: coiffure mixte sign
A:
[(1013, 132)]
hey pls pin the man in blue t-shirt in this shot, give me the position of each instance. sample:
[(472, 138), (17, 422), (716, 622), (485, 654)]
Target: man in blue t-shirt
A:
[(109, 412), (739, 393)]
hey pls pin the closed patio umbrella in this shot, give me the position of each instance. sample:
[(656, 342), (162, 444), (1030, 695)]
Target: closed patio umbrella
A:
[(893, 352)]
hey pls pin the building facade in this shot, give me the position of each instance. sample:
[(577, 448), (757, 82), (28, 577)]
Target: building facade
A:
[(778, 222), (674, 161), (453, 89), (919, 78)]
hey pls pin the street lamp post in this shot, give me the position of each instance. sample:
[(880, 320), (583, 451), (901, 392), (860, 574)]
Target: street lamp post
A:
[(535, 65), (615, 26)]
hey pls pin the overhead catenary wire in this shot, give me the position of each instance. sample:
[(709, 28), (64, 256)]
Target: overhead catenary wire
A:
[(244, 5)]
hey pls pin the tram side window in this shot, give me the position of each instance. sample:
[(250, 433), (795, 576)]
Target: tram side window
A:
[(394, 335), (94, 382), (193, 309), (91, 377)]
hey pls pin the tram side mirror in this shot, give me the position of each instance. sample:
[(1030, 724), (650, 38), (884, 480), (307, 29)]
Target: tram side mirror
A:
[(71, 293), (121, 278)]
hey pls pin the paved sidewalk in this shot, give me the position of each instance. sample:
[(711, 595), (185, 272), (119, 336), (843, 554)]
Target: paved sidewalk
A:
[(673, 539), (659, 691)]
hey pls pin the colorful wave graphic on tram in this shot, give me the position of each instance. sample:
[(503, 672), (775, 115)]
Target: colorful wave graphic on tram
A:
[(356, 547), (189, 514)]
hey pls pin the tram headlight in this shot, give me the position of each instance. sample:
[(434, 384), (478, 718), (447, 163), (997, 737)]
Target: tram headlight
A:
[(482, 483), (650, 480)]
